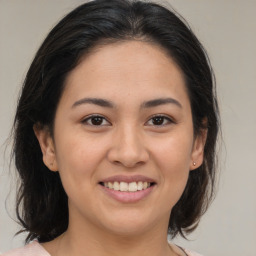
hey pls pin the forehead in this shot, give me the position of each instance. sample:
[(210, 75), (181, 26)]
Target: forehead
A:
[(126, 68)]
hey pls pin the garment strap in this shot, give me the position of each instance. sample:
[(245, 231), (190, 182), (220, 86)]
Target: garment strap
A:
[(183, 250)]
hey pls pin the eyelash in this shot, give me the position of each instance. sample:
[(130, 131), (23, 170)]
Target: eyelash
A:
[(168, 119), (86, 120)]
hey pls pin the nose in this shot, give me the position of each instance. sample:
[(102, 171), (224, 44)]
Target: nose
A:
[(128, 148)]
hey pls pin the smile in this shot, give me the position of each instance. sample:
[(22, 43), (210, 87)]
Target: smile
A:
[(125, 186), (128, 189)]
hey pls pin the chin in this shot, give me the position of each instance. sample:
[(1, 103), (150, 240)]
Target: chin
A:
[(131, 224), (127, 230)]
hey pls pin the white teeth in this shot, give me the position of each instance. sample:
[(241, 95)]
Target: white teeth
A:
[(140, 185), (110, 185), (116, 185), (145, 185), (124, 186), (132, 186)]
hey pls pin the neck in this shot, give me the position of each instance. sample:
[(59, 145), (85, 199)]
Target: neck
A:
[(100, 244), (86, 240)]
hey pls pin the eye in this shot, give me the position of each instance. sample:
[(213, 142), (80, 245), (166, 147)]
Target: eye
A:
[(96, 120), (159, 120)]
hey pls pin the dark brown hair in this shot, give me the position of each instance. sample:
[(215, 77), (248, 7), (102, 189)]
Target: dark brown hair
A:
[(42, 206)]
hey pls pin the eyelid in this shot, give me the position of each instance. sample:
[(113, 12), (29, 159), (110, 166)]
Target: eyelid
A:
[(85, 120), (166, 117)]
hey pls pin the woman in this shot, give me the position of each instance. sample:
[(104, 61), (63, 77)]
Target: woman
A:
[(115, 134)]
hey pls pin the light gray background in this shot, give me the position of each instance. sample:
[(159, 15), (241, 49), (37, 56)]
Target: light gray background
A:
[(227, 28)]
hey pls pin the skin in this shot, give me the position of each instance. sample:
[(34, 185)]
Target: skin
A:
[(127, 142)]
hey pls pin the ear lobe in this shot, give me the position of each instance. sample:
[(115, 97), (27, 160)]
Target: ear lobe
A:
[(197, 155), (47, 146)]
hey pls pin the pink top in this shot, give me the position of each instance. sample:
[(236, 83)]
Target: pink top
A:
[(35, 249)]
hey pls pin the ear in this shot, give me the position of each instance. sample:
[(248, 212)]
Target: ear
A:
[(47, 146), (197, 155)]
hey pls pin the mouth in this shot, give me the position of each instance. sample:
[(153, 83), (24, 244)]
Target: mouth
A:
[(127, 186), (128, 189)]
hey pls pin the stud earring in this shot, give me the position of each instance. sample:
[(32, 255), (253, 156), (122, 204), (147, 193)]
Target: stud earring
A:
[(194, 163)]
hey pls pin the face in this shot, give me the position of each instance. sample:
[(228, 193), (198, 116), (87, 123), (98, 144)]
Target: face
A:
[(123, 139)]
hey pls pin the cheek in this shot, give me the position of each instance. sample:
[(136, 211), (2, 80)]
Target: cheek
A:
[(173, 160), (77, 158), (174, 153)]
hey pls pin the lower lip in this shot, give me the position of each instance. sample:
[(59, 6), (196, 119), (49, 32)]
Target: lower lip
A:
[(128, 197)]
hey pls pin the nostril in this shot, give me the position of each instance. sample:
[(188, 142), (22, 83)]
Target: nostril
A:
[(125, 154), (117, 162)]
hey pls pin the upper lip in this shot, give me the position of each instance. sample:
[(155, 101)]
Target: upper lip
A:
[(128, 179)]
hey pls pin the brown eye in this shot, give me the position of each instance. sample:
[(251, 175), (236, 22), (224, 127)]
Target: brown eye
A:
[(96, 121), (159, 120)]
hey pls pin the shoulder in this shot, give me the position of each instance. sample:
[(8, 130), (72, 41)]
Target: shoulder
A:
[(31, 249), (190, 253), (181, 251)]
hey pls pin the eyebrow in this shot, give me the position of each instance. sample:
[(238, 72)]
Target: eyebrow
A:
[(95, 101), (160, 101), (109, 104)]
